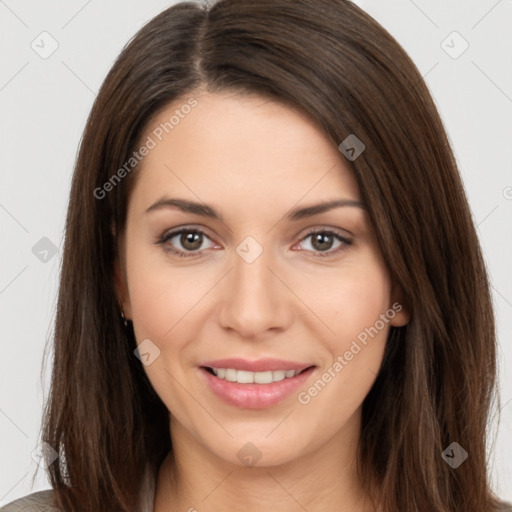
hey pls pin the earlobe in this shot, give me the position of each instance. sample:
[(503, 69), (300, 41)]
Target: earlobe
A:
[(122, 291), (402, 314), (401, 317), (120, 280)]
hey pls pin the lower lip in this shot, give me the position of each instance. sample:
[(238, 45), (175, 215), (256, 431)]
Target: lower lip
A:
[(255, 396)]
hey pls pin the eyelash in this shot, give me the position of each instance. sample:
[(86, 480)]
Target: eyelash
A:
[(187, 254)]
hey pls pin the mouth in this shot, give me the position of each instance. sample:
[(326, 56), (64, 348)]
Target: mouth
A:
[(248, 377), (254, 385)]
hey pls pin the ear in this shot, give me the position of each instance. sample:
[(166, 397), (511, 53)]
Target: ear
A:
[(120, 278), (399, 306)]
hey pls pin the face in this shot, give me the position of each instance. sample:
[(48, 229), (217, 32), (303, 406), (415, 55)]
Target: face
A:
[(225, 269)]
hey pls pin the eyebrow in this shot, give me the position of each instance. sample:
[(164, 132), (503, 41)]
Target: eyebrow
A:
[(209, 211)]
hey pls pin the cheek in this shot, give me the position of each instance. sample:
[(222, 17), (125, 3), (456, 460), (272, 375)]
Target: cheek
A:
[(361, 336), (152, 305), (351, 300), (160, 296), (161, 301), (355, 352)]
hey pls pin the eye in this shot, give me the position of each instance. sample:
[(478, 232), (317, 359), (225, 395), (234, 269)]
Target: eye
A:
[(190, 239), (322, 241)]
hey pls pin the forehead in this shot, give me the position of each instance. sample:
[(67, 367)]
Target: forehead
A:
[(232, 146)]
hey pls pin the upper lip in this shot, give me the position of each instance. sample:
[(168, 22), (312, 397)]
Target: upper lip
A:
[(259, 365)]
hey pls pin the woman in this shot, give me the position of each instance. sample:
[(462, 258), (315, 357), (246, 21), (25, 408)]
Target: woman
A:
[(272, 293)]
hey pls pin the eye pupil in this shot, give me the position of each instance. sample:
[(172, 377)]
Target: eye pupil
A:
[(325, 241), (190, 240)]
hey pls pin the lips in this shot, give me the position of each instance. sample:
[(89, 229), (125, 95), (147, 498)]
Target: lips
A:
[(254, 384)]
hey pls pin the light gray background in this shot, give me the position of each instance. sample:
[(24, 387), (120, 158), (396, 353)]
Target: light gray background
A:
[(44, 105)]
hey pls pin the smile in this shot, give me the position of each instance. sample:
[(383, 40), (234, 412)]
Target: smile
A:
[(254, 385), (247, 377)]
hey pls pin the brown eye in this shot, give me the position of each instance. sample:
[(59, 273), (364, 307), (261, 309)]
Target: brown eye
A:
[(191, 240), (322, 241), (185, 242)]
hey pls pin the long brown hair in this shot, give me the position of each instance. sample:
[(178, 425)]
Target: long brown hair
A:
[(334, 63)]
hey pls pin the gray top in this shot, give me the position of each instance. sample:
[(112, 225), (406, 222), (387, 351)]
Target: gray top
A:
[(42, 501)]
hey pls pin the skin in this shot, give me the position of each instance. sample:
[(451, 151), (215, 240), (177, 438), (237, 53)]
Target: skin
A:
[(254, 160)]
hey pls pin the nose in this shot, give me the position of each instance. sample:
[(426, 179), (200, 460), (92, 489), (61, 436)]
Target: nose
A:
[(255, 299)]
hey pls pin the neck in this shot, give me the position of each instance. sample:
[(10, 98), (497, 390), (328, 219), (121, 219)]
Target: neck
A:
[(192, 478)]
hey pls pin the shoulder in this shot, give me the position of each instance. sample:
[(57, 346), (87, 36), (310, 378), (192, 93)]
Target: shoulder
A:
[(42, 501), (36, 502)]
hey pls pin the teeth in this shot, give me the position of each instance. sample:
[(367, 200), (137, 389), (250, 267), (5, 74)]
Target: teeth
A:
[(278, 375), (245, 377), (230, 375)]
